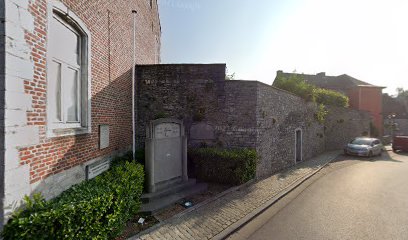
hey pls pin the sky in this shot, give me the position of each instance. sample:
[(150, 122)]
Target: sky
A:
[(365, 39)]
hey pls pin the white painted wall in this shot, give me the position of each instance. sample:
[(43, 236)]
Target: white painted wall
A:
[(19, 67)]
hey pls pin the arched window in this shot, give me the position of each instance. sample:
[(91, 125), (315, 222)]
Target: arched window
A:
[(68, 73)]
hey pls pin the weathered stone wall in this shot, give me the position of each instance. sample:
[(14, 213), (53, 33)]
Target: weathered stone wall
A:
[(240, 129), (199, 95), (189, 92), (279, 115), (239, 113), (344, 124)]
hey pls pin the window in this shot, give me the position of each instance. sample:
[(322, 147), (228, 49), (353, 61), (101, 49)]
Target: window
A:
[(68, 81)]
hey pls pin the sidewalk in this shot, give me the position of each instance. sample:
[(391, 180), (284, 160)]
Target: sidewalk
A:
[(224, 214)]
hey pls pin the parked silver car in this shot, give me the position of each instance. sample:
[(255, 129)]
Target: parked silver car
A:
[(364, 147)]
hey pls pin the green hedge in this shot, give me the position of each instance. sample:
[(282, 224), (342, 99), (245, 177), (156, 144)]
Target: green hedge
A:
[(231, 166), (296, 84), (94, 209), (329, 97)]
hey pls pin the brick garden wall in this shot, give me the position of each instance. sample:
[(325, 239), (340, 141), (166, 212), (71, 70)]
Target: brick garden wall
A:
[(35, 162)]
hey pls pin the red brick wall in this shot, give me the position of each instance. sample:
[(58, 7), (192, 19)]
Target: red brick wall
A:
[(368, 99), (110, 24), (371, 100)]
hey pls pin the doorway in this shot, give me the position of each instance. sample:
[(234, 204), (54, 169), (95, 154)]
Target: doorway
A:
[(298, 145)]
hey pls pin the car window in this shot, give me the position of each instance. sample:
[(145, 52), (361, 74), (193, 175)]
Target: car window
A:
[(376, 142), (361, 141)]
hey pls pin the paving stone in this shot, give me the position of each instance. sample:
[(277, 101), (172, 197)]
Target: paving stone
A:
[(214, 217)]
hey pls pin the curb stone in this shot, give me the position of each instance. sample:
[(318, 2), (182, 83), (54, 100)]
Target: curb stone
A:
[(229, 229), (240, 223)]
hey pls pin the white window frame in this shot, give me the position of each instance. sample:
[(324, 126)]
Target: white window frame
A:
[(56, 8)]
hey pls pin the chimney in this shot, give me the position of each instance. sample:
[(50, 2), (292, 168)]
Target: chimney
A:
[(322, 74), (279, 72)]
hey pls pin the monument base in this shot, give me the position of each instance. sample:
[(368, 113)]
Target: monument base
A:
[(153, 202)]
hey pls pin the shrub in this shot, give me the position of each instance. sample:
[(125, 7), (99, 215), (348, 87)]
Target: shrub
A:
[(297, 85), (94, 209), (330, 97), (321, 113), (231, 166)]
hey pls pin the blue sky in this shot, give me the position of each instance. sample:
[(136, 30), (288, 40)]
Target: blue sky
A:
[(365, 39)]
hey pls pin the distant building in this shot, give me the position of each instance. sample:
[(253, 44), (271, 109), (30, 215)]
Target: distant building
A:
[(363, 96)]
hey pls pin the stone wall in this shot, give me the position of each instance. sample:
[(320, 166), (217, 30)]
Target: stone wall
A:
[(232, 113), (279, 115), (344, 124), (193, 93), (240, 126)]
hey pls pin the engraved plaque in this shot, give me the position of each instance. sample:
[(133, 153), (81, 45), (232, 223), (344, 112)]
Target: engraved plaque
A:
[(103, 136), (167, 130), (166, 153)]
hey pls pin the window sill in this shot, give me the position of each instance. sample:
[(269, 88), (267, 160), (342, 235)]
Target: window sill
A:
[(63, 132)]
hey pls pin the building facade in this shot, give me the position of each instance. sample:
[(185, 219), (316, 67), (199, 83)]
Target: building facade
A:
[(66, 76)]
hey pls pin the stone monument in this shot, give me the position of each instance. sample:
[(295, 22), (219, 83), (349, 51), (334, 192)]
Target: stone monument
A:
[(166, 154), (166, 165)]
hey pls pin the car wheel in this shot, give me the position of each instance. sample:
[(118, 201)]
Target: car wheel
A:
[(345, 152), (370, 154)]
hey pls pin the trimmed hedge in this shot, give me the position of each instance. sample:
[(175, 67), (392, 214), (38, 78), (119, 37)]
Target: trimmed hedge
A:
[(231, 166), (94, 209)]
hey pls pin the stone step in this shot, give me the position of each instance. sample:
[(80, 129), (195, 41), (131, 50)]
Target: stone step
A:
[(157, 204), (148, 197)]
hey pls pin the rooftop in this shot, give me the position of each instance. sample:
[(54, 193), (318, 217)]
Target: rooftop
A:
[(338, 83)]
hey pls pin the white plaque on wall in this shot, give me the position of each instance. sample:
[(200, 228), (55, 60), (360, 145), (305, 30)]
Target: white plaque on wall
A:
[(103, 136)]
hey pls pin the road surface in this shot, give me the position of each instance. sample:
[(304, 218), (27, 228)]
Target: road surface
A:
[(352, 198)]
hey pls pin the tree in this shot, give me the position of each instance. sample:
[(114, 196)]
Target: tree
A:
[(229, 76), (401, 93)]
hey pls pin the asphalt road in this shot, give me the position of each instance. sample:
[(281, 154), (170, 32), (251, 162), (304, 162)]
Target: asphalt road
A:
[(352, 198)]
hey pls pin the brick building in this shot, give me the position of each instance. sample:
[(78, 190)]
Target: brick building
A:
[(362, 95), (66, 71)]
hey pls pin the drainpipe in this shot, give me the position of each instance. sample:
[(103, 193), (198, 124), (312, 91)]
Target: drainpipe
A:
[(134, 12)]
